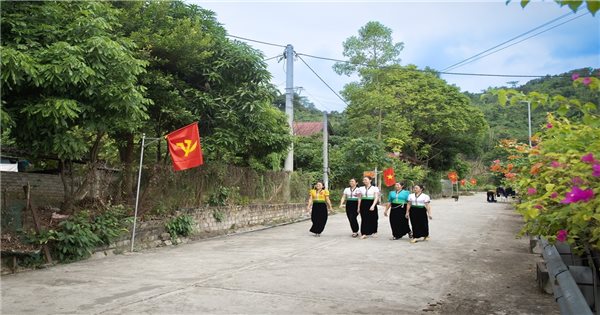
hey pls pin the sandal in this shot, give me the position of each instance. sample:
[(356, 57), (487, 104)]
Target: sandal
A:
[(363, 237), (354, 234)]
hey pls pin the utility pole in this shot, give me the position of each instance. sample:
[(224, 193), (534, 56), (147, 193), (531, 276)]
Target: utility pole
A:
[(289, 106), (289, 111), (325, 151)]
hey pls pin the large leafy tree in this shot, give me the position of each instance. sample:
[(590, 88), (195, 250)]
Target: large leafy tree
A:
[(68, 80), (426, 120), (196, 73)]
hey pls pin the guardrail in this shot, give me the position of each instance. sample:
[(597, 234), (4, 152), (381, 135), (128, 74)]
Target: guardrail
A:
[(566, 292)]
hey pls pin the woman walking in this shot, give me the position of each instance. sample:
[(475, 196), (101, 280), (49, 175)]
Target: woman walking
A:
[(397, 200), (350, 200), (418, 210), (318, 204), (367, 203)]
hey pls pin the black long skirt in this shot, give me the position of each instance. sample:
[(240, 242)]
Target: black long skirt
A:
[(352, 214), (318, 217), (398, 221), (419, 222), (368, 223)]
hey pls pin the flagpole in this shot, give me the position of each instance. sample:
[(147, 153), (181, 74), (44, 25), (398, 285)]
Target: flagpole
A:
[(137, 194)]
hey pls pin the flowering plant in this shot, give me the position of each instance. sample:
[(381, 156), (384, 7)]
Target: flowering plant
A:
[(559, 176)]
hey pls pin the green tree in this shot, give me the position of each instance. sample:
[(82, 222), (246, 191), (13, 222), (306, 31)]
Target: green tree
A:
[(68, 79), (592, 5), (372, 48)]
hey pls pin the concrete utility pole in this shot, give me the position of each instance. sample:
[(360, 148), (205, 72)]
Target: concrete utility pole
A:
[(325, 152), (289, 106)]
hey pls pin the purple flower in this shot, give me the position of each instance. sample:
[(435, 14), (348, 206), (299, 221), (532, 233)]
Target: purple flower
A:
[(561, 235), (596, 168), (575, 76), (588, 158), (531, 191), (577, 180), (554, 195), (586, 81), (549, 126), (538, 206), (555, 164), (577, 194)]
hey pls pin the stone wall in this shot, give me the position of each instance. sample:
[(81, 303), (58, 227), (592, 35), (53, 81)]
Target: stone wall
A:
[(232, 219)]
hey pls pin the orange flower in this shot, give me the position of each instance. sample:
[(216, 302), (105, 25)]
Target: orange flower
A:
[(496, 168), (509, 167), (510, 176), (521, 148), (535, 169), (513, 157)]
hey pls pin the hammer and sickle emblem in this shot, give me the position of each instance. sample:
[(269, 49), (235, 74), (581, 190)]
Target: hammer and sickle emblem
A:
[(187, 147)]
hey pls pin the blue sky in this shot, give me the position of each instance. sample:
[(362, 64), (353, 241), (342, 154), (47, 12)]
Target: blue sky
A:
[(435, 34)]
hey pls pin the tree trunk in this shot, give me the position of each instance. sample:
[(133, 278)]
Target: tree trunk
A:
[(67, 188)]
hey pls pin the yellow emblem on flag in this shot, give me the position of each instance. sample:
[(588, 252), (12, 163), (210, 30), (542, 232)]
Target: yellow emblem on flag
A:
[(188, 147)]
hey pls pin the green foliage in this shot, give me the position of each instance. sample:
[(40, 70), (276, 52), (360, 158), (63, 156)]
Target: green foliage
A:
[(219, 215), (77, 237), (547, 174), (223, 196), (182, 225), (373, 48), (592, 5), (422, 117)]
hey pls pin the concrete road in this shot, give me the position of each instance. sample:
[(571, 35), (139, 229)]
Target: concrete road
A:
[(473, 264)]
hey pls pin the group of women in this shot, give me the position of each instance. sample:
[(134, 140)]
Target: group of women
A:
[(405, 210)]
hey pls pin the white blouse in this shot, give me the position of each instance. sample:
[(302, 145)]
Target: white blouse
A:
[(351, 193), (418, 201), (368, 193)]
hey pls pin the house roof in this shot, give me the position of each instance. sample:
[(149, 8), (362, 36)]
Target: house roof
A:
[(307, 128)]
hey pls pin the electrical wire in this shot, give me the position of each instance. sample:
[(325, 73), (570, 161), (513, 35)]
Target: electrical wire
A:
[(440, 72), (505, 42), (255, 41), (495, 51), (318, 76)]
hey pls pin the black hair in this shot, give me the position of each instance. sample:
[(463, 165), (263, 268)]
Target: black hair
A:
[(401, 184), (369, 177), (421, 186), (319, 181)]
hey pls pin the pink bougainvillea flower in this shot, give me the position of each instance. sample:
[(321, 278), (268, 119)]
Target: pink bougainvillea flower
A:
[(577, 194), (596, 170), (496, 161), (588, 158), (549, 126), (575, 76), (554, 195), (586, 81), (577, 180), (555, 164), (561, 235), (538, 207), (531, 191)]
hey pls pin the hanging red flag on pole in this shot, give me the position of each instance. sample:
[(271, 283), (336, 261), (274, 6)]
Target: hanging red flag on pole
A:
[(388, 177), (184, 146)]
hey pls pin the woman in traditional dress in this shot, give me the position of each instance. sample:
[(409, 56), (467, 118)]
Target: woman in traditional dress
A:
[(318, 204), (397, 200), (418, 209), (367, 203), (350, 200)]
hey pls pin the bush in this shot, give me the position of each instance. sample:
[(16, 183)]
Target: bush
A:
[(77, 237), (182, 225)]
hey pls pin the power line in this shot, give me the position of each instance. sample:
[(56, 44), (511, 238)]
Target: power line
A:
[(278, 56), (505, 42), (318, 76), (326, 107), (255, 41), (440, 72), (536, 34)]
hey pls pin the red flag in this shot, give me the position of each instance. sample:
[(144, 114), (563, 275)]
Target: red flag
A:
[(184, 146), (388, 177)]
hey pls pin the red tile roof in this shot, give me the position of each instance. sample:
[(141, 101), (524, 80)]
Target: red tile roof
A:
[(307, 128)]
